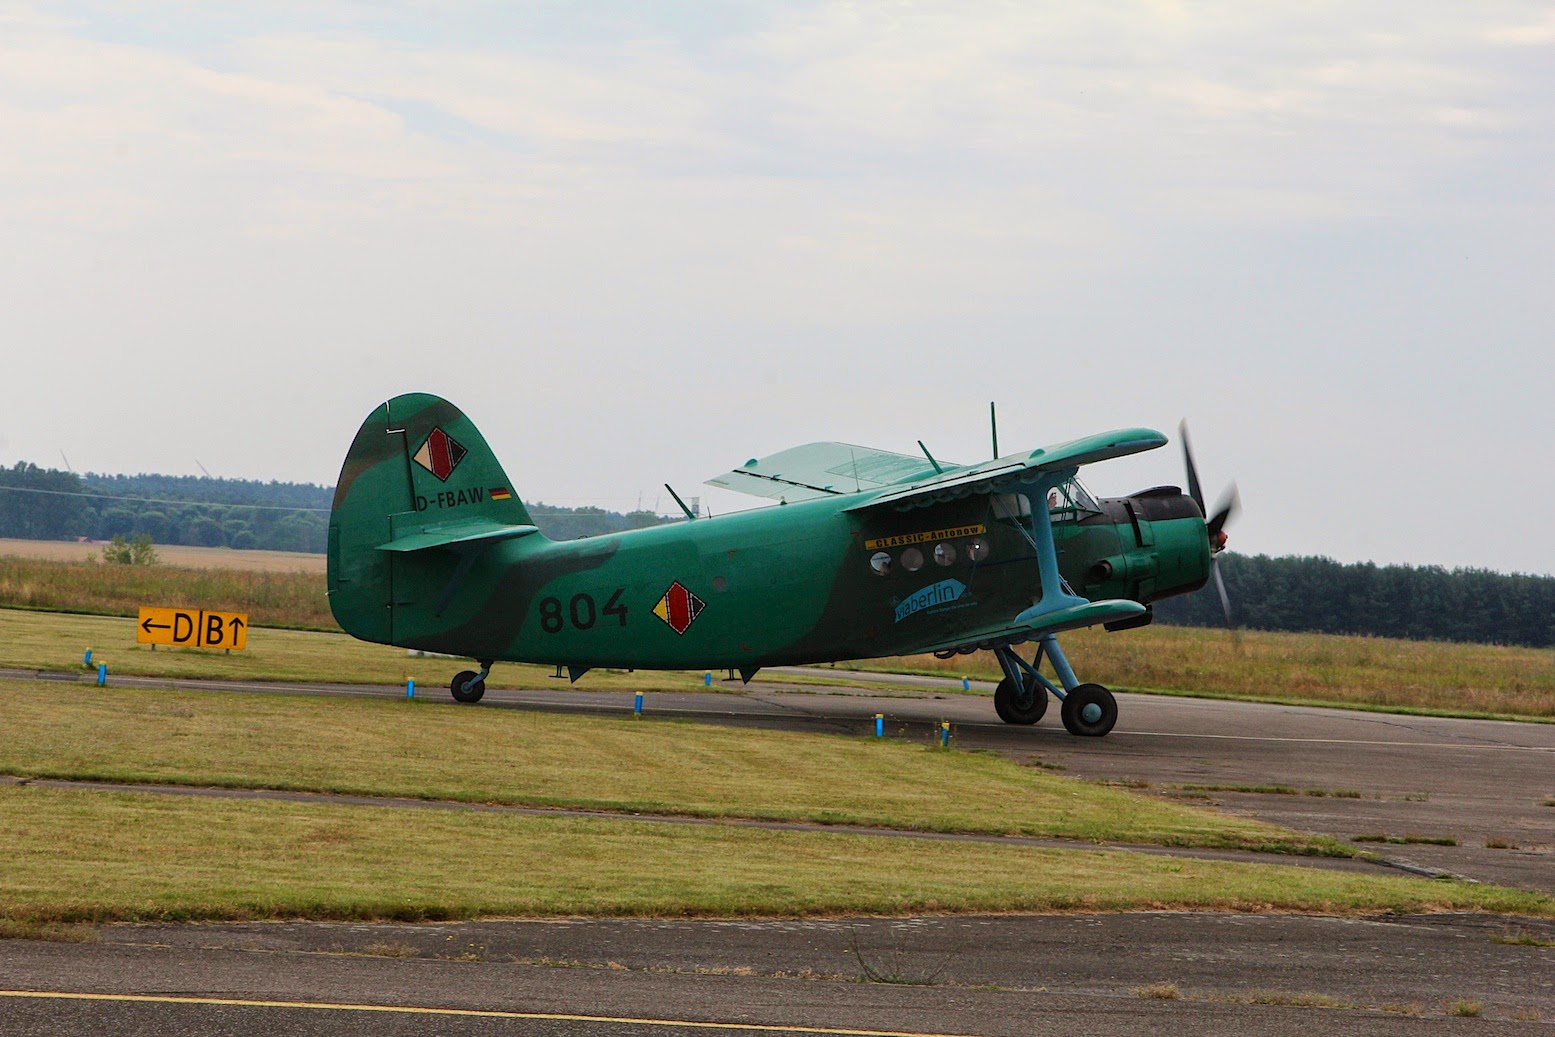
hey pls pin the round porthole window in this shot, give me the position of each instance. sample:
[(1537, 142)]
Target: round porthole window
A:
[(912, 559), (977, 550), (944, 554), (881, 563)]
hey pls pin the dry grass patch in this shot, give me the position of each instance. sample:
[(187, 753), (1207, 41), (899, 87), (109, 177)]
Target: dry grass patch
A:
[(270, 597), (1304, 668)]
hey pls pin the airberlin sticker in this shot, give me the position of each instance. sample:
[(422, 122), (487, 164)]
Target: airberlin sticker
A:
[(932, 596), (440, 454), (679, 608)]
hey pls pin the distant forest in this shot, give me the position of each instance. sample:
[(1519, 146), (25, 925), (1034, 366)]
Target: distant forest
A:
[(1305, 594), (48, 504), (1423, 603)]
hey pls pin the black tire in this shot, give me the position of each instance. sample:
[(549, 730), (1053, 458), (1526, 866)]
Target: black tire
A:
[(1089, 711), (1020, 709), (471, 694)]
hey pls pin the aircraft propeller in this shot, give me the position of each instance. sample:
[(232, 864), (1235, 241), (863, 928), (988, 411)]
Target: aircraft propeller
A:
[(1226, 507)]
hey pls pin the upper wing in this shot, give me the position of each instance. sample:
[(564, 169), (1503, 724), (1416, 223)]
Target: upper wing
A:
[(1011, 470), (820, 470)]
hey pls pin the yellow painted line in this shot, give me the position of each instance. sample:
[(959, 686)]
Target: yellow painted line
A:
[(167, 999)]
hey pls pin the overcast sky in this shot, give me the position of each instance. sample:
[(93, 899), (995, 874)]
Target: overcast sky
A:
[(641, 243)]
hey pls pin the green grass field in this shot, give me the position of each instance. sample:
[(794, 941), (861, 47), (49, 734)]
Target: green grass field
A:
[(377, 747), (75, 855)]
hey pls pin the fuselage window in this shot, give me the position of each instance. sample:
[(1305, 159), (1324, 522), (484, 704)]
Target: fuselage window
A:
[(977, 550), (912, 559), (944, 553), (881, 563)]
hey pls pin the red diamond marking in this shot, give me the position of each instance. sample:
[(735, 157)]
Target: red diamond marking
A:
[(440, 454)]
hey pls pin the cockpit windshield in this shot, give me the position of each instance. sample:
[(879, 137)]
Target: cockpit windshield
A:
[(1070, 500)]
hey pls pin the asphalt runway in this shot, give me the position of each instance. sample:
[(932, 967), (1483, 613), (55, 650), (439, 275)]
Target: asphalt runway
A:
[(968, 975), (1478, 782)]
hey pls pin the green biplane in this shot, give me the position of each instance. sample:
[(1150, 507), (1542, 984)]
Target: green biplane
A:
[(871, 554)]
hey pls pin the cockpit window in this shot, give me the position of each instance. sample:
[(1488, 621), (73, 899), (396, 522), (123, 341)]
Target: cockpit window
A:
[(1070, 500)]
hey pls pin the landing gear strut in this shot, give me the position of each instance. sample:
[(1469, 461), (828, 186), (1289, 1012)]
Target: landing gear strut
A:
[(1088, 710), (469, 686)]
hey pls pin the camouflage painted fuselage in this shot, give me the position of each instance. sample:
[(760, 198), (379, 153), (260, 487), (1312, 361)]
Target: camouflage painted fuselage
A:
[(431, 548)]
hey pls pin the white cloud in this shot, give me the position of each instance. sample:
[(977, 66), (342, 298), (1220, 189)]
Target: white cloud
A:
[(1537, 33)]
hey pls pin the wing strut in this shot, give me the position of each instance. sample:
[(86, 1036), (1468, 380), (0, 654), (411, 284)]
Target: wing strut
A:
[(1056, 594)]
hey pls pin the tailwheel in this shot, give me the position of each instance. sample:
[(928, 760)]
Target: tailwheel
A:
[(468, 686), (1020, 706), (1089, 710)]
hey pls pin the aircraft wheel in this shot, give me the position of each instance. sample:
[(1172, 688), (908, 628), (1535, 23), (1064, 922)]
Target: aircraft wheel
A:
[(1018, 708), (1089, 710), (471, 694)]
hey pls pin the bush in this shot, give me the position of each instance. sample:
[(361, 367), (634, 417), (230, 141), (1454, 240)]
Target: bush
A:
[(138, 551)]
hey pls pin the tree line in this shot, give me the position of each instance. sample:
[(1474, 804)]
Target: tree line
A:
[(48, 504), (1427, 603), (201, 511)]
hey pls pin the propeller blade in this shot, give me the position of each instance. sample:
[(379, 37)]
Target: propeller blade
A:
[(1225, 510), (1193, 473), (1220, 588)]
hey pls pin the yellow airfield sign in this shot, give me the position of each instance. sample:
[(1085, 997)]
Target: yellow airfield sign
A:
[(192, 628)]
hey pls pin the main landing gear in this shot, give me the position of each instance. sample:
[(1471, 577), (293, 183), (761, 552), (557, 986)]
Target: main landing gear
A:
[(469, 686), (1088, 710)]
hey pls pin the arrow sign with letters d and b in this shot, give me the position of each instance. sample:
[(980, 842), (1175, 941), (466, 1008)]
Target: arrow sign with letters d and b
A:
[(192, 628)]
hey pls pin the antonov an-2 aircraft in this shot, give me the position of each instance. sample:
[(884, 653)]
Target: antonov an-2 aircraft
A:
[(871, 554)]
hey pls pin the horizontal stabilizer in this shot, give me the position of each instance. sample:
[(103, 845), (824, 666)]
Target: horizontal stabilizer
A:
[(457, 535)]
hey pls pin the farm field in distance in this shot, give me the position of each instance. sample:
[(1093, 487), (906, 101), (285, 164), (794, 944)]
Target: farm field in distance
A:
[(172, 555)]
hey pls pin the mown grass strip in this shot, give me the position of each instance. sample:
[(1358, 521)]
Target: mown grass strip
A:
[(55, 641), (376, 747), (95, 857)]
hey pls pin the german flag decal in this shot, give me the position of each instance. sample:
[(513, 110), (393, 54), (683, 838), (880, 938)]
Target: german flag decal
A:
[(679, 608), (440, 454), (500, 493)]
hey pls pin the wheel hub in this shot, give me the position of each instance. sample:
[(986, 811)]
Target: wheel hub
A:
[(1090, 712)]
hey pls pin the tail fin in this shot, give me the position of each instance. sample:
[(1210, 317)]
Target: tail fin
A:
[(418, 476)]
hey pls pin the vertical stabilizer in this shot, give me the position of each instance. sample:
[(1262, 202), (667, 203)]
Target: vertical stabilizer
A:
[(417, 463)]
